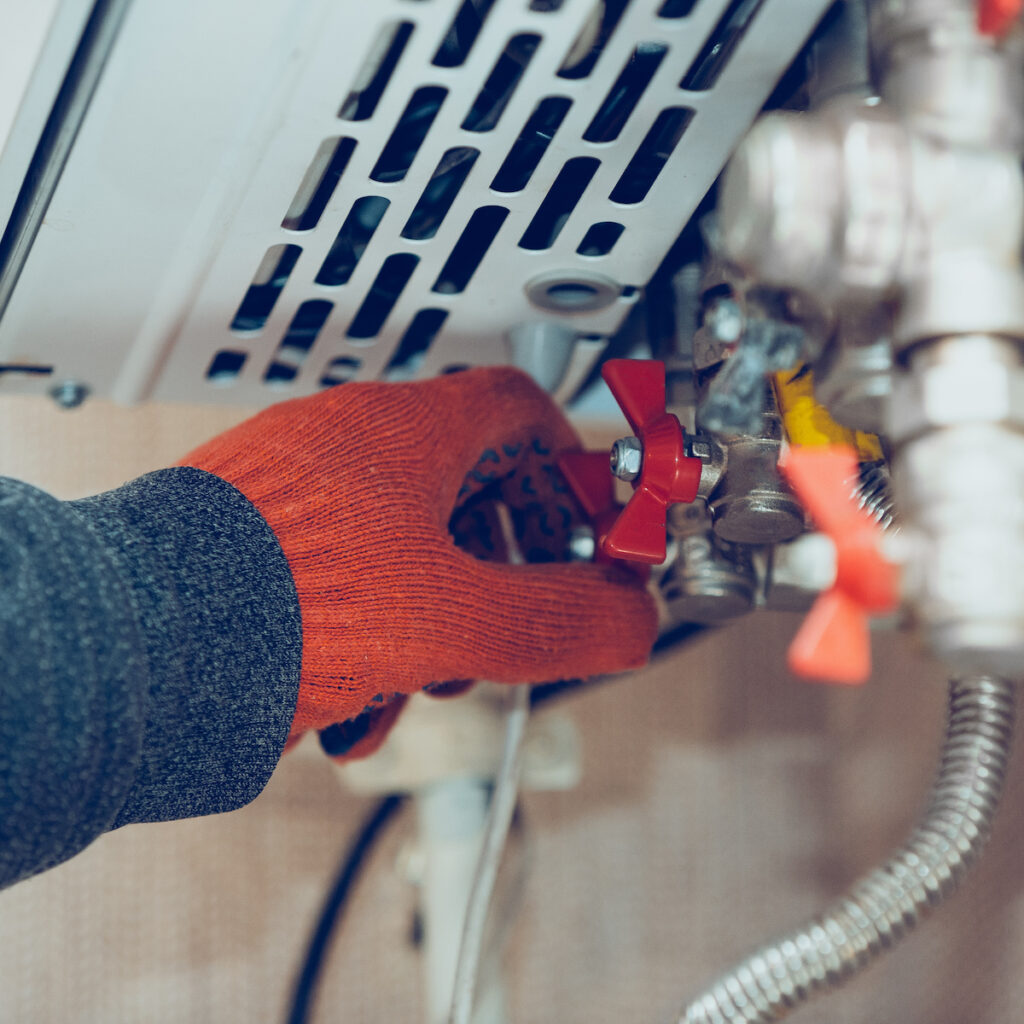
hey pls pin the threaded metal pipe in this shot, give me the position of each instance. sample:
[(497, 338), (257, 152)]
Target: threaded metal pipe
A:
[(887, 903)]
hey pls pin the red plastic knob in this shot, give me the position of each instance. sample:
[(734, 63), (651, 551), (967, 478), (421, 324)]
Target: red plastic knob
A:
[(834, 644), (667, 473), (996, 17), (588, 478)]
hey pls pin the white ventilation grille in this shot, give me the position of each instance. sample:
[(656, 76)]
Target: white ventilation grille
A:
[(431, 174)]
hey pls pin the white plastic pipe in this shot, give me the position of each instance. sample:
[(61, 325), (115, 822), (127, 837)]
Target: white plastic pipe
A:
[(452, 817)]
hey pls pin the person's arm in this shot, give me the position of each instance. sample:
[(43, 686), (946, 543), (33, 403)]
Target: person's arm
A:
[(163, 642), (151, 645)]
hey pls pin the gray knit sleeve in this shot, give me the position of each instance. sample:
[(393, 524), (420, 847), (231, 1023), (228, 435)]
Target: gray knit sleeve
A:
[(151, 645)]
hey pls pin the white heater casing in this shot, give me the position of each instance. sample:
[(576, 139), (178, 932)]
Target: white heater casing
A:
[(209, 116)]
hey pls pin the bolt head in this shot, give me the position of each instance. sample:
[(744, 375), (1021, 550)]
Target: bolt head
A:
[(724, 319), (69, 395), (582, 544), (627, 458)]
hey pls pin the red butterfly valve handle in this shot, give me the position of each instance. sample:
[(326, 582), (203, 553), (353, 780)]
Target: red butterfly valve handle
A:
[(834, 642), (996, 17), (588, 478), (654, 461)]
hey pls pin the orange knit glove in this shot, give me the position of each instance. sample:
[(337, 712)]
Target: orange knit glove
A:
[(359, 484)]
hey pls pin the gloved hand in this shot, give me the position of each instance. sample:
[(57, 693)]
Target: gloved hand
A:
[(359, 484)]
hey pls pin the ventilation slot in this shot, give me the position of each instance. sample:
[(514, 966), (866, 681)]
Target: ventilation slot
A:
[(271, 275), (433, 206), (651, 156), (24, 369), (501, 83), (592, 39), (676, 8), (462, 33), (392, 277), (418, 338), (352, 240), (624, 95), (558, 204), (319, 183), (470, 249), (718, 48), (546, 6), (376, 71), (533, 141), (340, 371), (225, 367), (400, 150), (600, 239), (295, 345)]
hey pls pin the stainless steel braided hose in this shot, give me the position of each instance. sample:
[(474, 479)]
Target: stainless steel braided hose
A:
[(887, 903)]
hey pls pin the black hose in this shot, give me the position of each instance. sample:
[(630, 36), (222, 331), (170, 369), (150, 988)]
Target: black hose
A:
[(358, 850), (351, 867)]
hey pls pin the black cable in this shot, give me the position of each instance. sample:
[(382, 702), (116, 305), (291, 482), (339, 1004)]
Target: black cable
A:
[(358, 850), (679, 636), (351, 867)]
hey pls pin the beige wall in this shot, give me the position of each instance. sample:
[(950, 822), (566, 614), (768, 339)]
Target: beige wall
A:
[(722, 801), (82, 451)]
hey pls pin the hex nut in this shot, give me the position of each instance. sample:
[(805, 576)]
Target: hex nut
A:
[(700, 448), (963, 575), (627, 458), (972, 379)]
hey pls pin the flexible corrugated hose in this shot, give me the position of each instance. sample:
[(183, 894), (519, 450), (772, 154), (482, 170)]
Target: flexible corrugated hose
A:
[(887, 903)]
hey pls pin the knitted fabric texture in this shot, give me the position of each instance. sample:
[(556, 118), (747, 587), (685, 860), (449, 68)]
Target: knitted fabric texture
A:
[(151, 644), (359, 484)]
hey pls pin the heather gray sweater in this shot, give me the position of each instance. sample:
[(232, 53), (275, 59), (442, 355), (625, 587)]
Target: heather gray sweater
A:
[(150, 641)]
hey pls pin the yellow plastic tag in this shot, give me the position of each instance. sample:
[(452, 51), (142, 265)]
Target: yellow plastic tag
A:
[(808, 423)]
